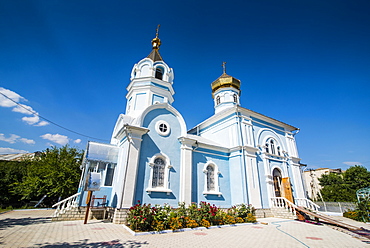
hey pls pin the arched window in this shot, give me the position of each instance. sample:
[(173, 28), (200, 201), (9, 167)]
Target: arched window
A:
[(158, 173), (267, 148), (218, 100), (272, 146), (210, 178), (235, 98), (159, 73)]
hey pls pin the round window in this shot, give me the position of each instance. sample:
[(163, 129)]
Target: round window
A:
[(162, 128)]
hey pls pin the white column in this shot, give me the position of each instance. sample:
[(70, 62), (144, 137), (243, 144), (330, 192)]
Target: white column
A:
[(186, 169), (268, 178), (253, 179), (132, 161)]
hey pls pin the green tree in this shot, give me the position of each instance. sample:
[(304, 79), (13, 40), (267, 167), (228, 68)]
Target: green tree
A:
[(54, 172), (343, 187), (11, 172)]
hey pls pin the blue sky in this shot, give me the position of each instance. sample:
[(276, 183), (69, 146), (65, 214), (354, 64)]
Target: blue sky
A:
[(306, 63)]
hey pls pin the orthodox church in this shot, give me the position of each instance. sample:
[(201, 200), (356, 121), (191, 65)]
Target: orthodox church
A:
[(235, 156)]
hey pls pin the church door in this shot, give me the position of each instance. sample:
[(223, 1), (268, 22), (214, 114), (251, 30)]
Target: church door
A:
[(287, 188)]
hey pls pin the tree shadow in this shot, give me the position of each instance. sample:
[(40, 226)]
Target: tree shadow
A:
[(84, 243), (11, 222)]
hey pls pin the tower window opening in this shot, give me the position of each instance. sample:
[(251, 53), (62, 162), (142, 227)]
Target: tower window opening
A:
[(159, 73), (218, 100), (235, 98)]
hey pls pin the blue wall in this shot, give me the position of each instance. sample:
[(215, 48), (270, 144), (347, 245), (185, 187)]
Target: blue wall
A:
[(152, 144), (199, 161)]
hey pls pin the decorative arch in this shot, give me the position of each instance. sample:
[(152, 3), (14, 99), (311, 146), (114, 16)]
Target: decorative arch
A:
[(140, 119), (265, 134)]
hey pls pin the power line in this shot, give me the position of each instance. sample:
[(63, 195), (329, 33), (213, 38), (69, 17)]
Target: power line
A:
[(35, 113)]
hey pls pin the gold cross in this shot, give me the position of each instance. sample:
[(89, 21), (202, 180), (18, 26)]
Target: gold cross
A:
[(156, 35), (224, 67)]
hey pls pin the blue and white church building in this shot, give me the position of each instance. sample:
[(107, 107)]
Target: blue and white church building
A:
[(235, 156)]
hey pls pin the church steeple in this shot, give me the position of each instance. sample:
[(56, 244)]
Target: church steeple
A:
[(225, 91), (156, 43), (151, 82)]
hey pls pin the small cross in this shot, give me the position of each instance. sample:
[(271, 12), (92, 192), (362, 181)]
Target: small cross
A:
[(156, 35), (224, 67)]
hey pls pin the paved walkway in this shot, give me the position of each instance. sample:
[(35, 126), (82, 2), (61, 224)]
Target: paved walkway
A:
[(33, 228)]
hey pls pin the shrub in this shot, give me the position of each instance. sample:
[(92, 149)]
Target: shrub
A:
[(250, 218), (205, 223), (158, 218), (351, 214)]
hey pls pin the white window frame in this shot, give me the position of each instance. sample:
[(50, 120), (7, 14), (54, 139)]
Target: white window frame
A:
[(159, 131), (166, 182), (216, 172)]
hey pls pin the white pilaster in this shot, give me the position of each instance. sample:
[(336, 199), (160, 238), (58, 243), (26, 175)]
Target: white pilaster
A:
[(186, 169), (134, 135)]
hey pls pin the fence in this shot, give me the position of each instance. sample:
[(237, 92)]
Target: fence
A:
[(336, 207)]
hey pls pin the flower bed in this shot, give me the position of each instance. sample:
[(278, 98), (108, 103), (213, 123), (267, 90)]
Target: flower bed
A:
[(158, 218)]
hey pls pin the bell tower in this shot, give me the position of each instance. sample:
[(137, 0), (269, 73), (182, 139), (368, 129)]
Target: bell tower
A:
[(225, 91), (151, 82)]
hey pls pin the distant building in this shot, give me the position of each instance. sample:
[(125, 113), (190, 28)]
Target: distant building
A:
[(17, 156), (312, 183)]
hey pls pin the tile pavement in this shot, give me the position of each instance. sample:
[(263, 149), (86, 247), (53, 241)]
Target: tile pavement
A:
[(34, 228)]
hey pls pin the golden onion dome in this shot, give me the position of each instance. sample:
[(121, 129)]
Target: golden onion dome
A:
[(156, 43), (225, 81)]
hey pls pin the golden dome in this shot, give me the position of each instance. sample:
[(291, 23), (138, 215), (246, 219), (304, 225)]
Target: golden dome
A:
[(225, 81)]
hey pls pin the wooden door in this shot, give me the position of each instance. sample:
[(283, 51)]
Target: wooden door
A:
[(287, 189)]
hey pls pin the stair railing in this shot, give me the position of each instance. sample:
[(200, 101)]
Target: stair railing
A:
[(282, 202), (66, 204), (303, 202)]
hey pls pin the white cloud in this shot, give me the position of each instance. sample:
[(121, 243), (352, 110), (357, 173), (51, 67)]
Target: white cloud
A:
[(41, 124), (27, 141), (31, 120), (77, 141), (12, 139), (24, 109), (57, 138), (16, 138), (6, 150), (352, 163), (5, 102), (20, 108)]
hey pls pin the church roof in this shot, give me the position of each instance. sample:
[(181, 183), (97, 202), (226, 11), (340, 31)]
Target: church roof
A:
[(252, 113), (225, 81), (155, 56)]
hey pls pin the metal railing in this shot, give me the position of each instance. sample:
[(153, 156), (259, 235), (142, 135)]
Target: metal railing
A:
[(66, 204), (282, 202), (336, 207), (304, 202)]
